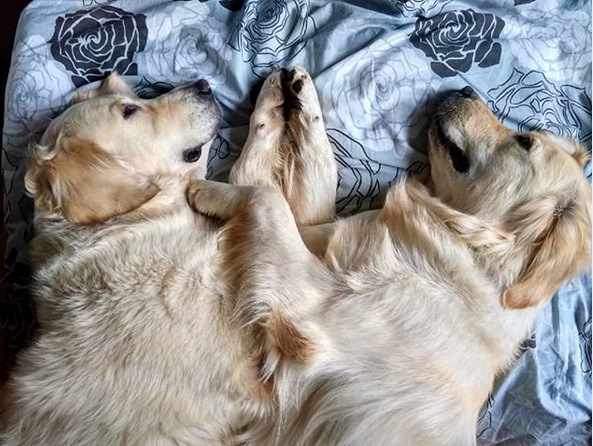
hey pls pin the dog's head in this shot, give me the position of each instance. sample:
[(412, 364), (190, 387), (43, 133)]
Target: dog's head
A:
[(531, 185), (100, 157)]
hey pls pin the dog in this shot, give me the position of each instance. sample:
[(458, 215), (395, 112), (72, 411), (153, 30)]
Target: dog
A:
[(389, 327), (139, 342)]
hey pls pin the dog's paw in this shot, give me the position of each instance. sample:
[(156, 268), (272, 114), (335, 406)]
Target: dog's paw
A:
[(300, 97), (270, 96), (207, 197), (219, 200), (194, 192)]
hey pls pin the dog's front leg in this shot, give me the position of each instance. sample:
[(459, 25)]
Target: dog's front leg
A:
[(276, 281)]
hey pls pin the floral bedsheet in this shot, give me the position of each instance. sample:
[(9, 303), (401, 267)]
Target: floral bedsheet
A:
[(378, 65)]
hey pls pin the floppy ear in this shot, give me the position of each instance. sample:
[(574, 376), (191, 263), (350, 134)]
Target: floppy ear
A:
[(86, 184), (475, 232), (113, 84), (561, 233), (572, 147)]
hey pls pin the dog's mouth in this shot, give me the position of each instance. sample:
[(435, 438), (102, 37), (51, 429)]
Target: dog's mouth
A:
[(458, 158)]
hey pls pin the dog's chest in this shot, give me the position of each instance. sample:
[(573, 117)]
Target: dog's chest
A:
[(154, 283)]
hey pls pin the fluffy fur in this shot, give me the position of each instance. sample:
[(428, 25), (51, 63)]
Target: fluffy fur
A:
[(235, 325), (139, 342), (395, 333)]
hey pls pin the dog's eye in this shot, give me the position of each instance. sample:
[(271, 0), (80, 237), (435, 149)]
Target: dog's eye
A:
[(129, 110), (192, 154), (524, 141)]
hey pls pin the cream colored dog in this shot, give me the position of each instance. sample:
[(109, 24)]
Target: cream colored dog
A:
[(139, 342), (161, 326), (395, 335)]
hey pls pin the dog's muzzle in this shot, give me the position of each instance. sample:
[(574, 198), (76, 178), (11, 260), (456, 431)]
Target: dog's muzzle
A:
[(448, 108)]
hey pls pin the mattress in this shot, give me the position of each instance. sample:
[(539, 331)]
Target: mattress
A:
[(378, 66)]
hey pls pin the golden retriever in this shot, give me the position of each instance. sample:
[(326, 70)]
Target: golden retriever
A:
[(395, 333), (138, 340)]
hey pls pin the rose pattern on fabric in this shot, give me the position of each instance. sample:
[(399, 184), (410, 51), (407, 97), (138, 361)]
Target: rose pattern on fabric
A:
[(232, 5), (96, 2), (17, 310), (382, 93), (358, 186), (93, 43), (187, 42), (223, 155), (36, 91), (585, 345), (272, 32), (201, 49), (419, 8), (555, 43), (528, 101), (361, 184), (485, 418), (457, 40), (146, 89)]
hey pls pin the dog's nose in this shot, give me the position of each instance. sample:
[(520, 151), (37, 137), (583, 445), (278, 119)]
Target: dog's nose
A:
[(468, 92), (202, 87)]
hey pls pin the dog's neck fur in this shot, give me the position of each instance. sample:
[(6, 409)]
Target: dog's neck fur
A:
[(54, 232), (416, 220)]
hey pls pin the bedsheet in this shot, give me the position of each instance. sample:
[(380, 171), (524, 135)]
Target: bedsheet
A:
[(378, 65)]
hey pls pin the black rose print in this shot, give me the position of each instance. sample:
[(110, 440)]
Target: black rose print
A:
[(532, 102), (95, 2), (271, 32), (457, 40), (585, 345), (149, 90), (419, 8), (93, 43)]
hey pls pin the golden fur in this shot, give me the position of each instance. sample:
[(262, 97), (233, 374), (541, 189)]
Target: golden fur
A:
[(257, 319), (408, 314), (138, 339)]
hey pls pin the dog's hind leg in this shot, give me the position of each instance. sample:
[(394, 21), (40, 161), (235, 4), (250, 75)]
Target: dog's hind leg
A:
[(288, 148), (256, 164), (311, 176)]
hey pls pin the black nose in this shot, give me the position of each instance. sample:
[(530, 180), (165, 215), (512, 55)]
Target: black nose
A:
[(202, 87), (468, 92)]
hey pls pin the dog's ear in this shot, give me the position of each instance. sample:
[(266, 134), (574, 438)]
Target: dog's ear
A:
[(570, 146), (475, 232), (113, 84), (85, 183), (560, 231)]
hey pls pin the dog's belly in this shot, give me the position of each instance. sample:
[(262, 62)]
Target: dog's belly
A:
[(135, 334)]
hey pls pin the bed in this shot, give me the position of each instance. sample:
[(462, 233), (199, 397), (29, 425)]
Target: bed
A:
[(378, 66)]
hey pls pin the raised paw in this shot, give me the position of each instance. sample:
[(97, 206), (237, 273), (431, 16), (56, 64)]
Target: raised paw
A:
[(301, 104), (270, 94), (215, 199)]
